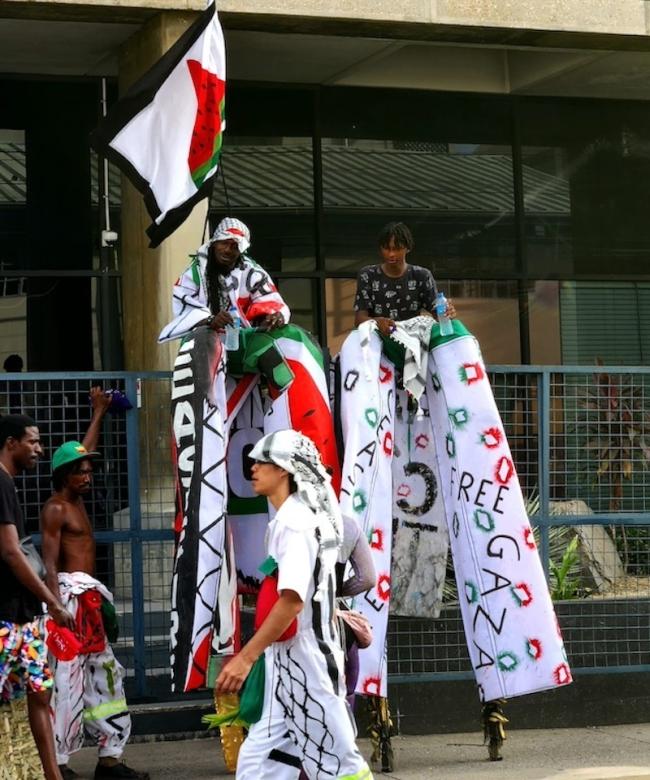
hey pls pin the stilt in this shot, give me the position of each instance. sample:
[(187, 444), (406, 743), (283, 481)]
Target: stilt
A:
[(380, 730), (494, 733)]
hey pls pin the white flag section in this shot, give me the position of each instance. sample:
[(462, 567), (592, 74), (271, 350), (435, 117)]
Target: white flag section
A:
[(165, 133)]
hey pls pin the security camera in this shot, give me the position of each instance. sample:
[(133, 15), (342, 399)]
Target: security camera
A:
[(109, 237)]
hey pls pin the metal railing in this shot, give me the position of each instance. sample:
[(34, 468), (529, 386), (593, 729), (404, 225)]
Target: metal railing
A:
[(578, 440)]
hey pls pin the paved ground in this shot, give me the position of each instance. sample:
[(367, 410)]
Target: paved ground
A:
[(601, 753)]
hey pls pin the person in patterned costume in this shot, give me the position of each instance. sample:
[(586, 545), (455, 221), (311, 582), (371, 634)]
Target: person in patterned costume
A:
[(220, 276), (305, 719)]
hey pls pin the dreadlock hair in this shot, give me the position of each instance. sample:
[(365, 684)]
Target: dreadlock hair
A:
[(60, 475), (399, 233), (14, 426), (212, 284)]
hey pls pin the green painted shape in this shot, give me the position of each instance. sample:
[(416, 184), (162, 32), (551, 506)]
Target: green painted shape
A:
[(459, 417), (359, 501), (483, 520), (372, 417), (450, 445), (471, 592), (507, 661)]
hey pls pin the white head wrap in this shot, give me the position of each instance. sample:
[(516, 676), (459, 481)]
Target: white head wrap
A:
[(231, 229), (295, 453)]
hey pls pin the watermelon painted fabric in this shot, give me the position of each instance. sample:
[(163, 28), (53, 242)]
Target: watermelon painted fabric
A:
[(222, 403), (203, 601), (165, 133)]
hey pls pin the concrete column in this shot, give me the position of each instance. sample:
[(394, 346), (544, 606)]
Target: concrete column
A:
[(147, 279), (148, 274)]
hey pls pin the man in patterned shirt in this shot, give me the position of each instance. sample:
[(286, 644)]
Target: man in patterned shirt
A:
[(394, 290)]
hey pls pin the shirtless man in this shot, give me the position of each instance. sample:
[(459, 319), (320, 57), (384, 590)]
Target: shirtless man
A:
[(88, 691)]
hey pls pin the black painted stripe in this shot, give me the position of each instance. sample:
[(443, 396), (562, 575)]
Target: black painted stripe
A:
[(285, 758)]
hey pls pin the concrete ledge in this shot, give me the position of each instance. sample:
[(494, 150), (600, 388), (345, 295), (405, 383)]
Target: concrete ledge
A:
[(237, 15)]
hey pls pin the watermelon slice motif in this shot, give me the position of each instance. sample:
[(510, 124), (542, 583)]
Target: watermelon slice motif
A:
[(207, 134)]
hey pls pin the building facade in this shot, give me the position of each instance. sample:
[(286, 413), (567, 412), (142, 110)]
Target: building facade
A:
[(514, 139)]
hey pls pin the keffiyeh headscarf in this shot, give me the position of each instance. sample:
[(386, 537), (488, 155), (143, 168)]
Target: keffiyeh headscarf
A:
[(231, 229), (295, 453)]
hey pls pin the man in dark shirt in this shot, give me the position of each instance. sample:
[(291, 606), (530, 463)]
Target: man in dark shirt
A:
[(23, 656), (394, 290)]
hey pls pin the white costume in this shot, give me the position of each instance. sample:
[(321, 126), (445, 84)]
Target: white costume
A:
[(247, 286), (305, 721), (88, 691)]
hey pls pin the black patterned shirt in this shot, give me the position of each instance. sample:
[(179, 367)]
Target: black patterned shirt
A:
[(398, 298)]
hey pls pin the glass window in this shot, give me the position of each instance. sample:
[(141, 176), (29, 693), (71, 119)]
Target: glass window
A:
[(268, 183), (457, 199), (299, 295), (267, 174), (441, 163), (339, 302), (586, 179), (609, 321), (490, 309), (544, 322)]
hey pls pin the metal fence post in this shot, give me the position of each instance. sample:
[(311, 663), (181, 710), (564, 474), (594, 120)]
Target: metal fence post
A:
[(135, 518), (544, 428)]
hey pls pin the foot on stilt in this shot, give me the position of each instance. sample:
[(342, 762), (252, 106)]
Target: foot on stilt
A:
[(494, 733)]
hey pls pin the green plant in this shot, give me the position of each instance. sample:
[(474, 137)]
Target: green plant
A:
[(613, 422), (564, 586)]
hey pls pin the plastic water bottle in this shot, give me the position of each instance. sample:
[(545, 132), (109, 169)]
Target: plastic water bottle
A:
[(446, 326), (232, 331)]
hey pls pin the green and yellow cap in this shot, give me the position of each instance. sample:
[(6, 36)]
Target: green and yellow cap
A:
[(69, 452)]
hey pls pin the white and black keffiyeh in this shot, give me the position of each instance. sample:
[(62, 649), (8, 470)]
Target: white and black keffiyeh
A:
[(297, 454)]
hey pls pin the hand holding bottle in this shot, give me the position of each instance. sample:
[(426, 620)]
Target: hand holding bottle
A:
[(232, 330), (443, 315)]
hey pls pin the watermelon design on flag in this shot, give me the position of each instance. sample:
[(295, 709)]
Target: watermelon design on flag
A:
[(207, 134)]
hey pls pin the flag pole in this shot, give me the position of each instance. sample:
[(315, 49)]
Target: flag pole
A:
[(108, 238)]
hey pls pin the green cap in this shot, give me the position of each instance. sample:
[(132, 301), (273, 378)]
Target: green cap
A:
[(69, 452)]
